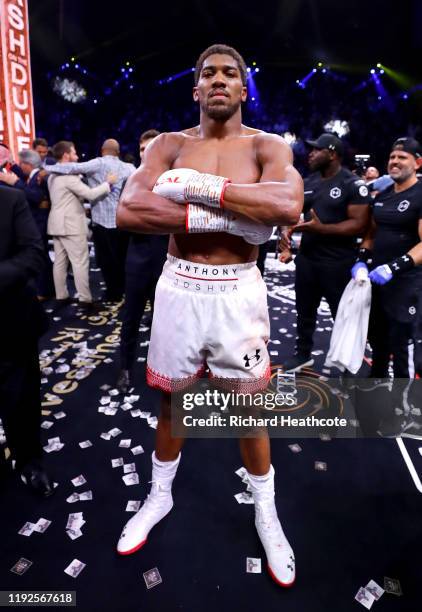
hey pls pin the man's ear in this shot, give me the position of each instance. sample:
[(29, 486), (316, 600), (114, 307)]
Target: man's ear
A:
[(419, 163), (244, 94), (195, 94)]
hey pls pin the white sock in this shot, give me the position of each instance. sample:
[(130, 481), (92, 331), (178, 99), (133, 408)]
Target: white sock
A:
[(262, 486), (164, 471)]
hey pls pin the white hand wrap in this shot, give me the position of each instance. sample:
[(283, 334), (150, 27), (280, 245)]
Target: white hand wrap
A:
[(206, 189), (201, 219), (185, 185)]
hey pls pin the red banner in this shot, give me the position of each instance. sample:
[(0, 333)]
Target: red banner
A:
[(17, 129)]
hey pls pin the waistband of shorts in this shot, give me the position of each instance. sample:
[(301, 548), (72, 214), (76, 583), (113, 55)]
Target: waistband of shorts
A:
[(208, 278)]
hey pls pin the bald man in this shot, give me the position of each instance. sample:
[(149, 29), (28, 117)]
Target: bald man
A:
[(110, 242)]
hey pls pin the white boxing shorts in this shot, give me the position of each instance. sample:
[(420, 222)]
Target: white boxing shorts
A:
[(209, 316)]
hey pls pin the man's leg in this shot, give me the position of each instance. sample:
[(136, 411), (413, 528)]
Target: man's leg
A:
[(61, 263), (78, 253), (308, 298), (334, 279), (165, 461), (256, 458), (102, 257)]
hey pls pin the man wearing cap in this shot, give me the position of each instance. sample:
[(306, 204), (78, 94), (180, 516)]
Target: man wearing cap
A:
[(336, 211), (393, 249)]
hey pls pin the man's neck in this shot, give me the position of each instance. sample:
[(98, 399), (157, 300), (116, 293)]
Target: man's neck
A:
[(331, 170), (398, 187), (212, 128)]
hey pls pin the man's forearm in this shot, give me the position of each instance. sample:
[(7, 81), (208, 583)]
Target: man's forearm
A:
[(149, 213), (269, 203)]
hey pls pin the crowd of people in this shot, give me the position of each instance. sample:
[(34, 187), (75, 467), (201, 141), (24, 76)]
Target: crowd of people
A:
[(352, 227)]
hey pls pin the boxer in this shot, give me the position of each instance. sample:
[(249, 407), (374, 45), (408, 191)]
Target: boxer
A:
[(218, 189)]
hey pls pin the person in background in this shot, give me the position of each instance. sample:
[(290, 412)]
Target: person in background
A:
[(110, 242), (145, 258)]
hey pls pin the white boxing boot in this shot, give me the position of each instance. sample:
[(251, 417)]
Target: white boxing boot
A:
[(280, 556), (156, 506)]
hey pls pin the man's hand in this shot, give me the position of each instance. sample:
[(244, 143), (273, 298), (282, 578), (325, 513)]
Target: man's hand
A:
[(285, 245), (313, 226), (184, 185), (112, 178), (41, 176), (10, 178), (381, 275)]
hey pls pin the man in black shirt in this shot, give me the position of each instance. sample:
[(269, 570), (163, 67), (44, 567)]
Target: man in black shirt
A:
[(336, 211), (393, 248), (145, 258)]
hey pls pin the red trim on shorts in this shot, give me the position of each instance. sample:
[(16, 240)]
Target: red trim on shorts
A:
[(223, 192), (244, 385), (171, 385), (187, 218), (206, 279)]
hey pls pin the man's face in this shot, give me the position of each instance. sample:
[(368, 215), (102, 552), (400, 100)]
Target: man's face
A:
[(371, 173), (143, 145), (220, 91), (42, 151), (401, 166), (319, 159), (26, 168)]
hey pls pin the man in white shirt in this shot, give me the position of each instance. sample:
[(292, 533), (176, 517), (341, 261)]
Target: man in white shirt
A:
[(67, 224)]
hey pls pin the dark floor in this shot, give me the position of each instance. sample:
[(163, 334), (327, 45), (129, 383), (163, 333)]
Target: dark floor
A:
[(357, 521)]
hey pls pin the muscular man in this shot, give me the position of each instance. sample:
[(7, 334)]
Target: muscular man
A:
[(393, 246), (237, 182), (336, 211), (145, 258)]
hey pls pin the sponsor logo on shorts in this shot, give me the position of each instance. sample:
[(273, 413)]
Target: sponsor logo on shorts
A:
[(335, 192), (252, 360), (404, 205)]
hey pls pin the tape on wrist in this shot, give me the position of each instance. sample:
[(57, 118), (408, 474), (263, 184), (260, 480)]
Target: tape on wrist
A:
[(207, 189), (201, 219)]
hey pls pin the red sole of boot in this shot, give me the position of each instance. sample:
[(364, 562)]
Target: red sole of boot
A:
[(285, 585), (132, 550)]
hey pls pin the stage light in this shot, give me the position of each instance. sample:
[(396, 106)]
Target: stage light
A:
[(256, 69), (405, 96), (253, 63), (253, 99), (320, 64), (372, 71), (127, 63), (290, 138), (72, 59), (248, 69), (67, 65), (95, 101), (324, 70), (70, 91), (379, 65), (130, 69), (122, 69), (314, 69), (130, 86), (337, 126), (381, 71), (76, 65)]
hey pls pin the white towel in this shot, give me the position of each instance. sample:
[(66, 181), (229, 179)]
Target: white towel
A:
[(350, 331)]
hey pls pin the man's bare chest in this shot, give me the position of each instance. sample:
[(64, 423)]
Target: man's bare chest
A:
[(234, 159)]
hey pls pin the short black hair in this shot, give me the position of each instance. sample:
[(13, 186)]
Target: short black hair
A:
[(39, 142), (62, 147), (221, 50), (148, 134)]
